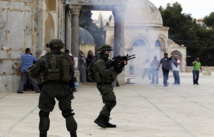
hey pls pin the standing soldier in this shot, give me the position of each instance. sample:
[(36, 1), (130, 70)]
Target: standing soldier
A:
[(54, 70), (105, 73)]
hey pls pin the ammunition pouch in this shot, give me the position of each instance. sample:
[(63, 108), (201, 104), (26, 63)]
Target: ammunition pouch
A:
[(53, 75), (41, 79)]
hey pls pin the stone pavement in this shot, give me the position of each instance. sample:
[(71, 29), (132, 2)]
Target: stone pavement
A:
[(142, 110)]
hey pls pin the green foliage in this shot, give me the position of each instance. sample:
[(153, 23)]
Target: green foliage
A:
[(209, 20), (183, 30), (87, 23)]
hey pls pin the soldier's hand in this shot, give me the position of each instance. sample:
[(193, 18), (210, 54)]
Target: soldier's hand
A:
[(72, 93), (125, 62)]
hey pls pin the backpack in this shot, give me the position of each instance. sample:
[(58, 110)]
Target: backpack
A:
[(90, 70), (57, 68)]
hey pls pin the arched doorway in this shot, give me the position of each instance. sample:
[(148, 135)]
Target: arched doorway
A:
[(157, 49), (141, 51)]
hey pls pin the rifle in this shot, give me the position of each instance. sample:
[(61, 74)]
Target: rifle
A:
[(123, 58), (118, 61)]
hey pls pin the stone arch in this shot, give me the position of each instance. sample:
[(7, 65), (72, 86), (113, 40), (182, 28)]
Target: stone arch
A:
[(177, 53), (159, 47), (141, 48), (140, 37), (163, 42)]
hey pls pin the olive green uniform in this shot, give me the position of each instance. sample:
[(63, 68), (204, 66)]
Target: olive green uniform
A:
[(105, 74), (50, 91), (105, 87)]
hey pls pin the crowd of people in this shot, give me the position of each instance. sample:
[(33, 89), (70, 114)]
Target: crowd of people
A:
[(151, 69), (168, 63)]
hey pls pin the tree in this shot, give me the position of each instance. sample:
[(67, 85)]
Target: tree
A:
[(184, 30), (209, 20)]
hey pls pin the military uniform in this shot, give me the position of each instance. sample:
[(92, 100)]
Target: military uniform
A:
[(54, 89), (105, 74)]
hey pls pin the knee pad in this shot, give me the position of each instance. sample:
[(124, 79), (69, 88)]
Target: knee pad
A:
[(43, 114), (110, 104), (44, 123), (67, 113)]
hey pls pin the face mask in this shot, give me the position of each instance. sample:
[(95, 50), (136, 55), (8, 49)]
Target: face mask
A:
[(104, 56)]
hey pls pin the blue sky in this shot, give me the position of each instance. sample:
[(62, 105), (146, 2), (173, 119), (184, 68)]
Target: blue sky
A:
[(197, 8)]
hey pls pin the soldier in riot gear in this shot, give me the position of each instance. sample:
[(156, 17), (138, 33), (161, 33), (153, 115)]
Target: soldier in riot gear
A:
[(105, 72), (54, 71)]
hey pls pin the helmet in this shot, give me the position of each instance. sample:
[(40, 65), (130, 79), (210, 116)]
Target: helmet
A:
[(104, 47), (55, 43)]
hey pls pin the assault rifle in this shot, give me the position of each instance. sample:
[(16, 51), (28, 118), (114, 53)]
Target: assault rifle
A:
[(123, 58), (118, 61)]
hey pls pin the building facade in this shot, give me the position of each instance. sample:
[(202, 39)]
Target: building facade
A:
[(33, 23), (145, 36)]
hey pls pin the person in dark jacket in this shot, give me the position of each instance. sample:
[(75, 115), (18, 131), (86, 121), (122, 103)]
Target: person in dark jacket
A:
[(166, 66)]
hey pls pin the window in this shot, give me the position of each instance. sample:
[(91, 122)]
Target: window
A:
[(157, 43), (139, 42)]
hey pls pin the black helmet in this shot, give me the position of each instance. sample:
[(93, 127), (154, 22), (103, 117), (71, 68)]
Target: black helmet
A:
[(55, 43), (103, 48)]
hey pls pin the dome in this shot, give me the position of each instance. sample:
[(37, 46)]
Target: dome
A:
[(85, 38), (142, 13)]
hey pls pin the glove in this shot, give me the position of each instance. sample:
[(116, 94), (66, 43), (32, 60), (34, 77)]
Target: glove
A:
[(119, 66), (72, 93)]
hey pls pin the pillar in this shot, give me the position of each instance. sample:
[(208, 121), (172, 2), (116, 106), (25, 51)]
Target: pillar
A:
[(68, 28), (75, 11), (118, 13)]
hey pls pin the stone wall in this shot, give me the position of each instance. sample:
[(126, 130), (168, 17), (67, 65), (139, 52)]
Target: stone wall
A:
[(26, 24), (206, 70)]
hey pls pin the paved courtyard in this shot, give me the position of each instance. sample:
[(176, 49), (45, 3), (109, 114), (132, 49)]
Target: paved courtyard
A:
[(143, 110)]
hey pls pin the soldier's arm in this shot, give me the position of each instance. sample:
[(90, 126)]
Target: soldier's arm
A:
[(34, 70), (103, 70)]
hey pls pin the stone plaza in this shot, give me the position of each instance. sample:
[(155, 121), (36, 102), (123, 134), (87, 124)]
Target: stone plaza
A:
[(142, 110)]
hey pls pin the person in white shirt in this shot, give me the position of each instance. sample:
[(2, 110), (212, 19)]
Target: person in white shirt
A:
[(175, 70), (154, 70), (146, 71)]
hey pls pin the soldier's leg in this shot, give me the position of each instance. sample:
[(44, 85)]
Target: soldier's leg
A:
[(106, 112), (46, 105), (109, 99), (44, 123), (67, 112)]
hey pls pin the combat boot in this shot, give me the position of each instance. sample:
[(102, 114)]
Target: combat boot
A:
[(100, 121), (43, 134), (73, 134), (107, 124)]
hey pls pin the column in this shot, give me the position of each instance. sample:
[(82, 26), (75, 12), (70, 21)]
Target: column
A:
[(75, 11), (68, 28), (118, 13)]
